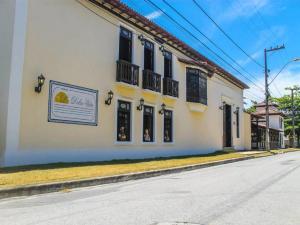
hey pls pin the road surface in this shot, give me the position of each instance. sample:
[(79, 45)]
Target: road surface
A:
[(261, 191)]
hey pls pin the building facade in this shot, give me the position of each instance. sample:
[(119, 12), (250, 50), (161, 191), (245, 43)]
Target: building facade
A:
[(116, 86), (258, 127)]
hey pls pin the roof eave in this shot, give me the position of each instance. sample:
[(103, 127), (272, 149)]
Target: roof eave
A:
[(153, 29)]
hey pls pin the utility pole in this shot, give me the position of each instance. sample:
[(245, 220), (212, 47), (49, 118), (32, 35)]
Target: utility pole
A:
[(267, 94), (293, 113)]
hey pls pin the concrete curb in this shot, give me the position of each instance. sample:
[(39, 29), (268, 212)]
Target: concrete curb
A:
[(58, 186)]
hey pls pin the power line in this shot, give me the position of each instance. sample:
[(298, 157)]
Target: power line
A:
[(153, 39), (255, 28), (277, 89), (275, 36), (212, 42), (207, 47), (252, 29), (220, 28), (254, 95), (252, 100)]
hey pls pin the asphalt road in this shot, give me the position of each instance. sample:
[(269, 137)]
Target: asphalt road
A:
[(261, 191)]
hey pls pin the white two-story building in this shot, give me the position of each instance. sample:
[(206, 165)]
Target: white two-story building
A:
[(87, 80), (276, 125)]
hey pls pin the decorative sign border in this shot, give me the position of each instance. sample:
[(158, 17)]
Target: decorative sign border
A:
[(69, 121)]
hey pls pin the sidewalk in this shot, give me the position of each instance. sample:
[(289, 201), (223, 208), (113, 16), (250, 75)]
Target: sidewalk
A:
[(37, 179)]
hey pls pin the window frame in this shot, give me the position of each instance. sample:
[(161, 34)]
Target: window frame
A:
[(154, 124), (154, 58), (125, 26), (172, 129), (201, 76), (171, 67), (132, 140)]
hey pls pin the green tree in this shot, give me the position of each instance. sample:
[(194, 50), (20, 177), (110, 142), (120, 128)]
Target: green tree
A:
[(285, 106), (252, 108)]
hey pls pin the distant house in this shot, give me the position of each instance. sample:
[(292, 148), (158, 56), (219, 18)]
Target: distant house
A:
[(116, 86), (258, 127)]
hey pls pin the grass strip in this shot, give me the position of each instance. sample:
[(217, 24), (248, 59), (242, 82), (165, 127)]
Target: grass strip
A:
[(39, 174), (55, 172)]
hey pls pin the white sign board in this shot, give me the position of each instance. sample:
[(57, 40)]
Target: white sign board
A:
[(72, 104)]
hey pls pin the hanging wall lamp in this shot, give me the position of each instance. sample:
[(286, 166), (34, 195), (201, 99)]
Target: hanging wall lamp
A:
[(163, 50), (222, 106), (141, 105), (162, 110), (110, 96), (142, 39), (236, 110), (41, 81)]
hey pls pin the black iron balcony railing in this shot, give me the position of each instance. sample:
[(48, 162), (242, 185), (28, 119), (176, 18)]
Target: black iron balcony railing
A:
[(170, 87), (127, 72), (151, 81)]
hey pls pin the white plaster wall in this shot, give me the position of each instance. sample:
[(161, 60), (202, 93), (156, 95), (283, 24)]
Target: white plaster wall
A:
[(79, 47), (7, 12), (274, 122), (15, 81), (247, 131)]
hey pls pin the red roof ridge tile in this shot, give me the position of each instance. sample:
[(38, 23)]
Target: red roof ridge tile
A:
[(185, 48)]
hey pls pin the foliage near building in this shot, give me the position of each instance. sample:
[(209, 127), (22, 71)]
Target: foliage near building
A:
[(285, 105)]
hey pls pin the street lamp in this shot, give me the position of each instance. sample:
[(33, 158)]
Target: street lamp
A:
[(267, 102), (285, 65)]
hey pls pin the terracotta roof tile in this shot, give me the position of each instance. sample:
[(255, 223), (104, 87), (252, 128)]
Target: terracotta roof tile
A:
[(161, 33)]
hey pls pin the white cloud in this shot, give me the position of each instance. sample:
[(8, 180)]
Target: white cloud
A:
[(270, 35), (264, 39), (154, 15), (247, 60), (287, 78), (246, 8)]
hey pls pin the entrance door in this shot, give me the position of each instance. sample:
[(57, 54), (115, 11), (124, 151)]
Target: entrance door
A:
[(227, 136)]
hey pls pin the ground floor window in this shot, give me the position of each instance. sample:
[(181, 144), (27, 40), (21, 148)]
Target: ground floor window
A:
[(168, 126), (124, 121), (148, 124)]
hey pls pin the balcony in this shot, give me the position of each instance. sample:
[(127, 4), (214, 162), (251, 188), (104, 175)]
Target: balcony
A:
[(127, 73), (151, 81), (170, 87), (196, 99), (195, 102)]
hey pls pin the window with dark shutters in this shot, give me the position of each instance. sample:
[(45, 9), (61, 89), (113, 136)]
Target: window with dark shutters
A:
[(148, 124), (124, 121), (125, 45), (149, 56), (168, 65), (168, 126), (196, 86)]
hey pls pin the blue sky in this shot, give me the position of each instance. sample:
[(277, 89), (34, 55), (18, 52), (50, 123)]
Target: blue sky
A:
[(253, 24)]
